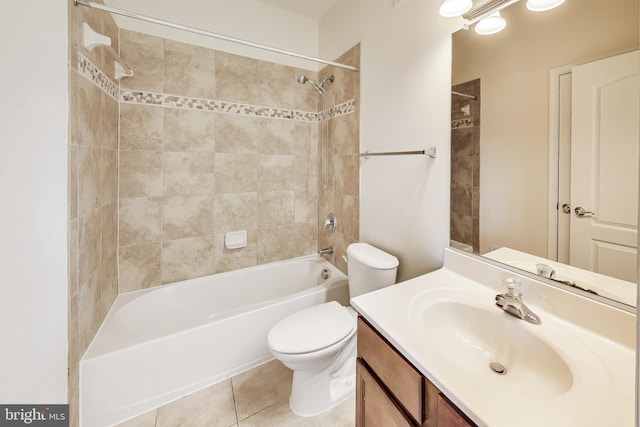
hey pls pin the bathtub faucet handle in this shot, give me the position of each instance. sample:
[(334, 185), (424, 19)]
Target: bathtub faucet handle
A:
[(331, 223)]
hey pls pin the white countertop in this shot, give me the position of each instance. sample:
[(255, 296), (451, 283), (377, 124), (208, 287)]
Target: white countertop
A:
[(596, 341)]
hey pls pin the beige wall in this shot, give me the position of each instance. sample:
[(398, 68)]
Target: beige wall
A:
[(513, 66), (93, 197), (342, 195), (190, 174)]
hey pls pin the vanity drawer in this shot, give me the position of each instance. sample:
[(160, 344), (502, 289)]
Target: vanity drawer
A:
[(399, 377)]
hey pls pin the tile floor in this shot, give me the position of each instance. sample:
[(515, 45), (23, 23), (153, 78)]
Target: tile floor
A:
[(256, 398)]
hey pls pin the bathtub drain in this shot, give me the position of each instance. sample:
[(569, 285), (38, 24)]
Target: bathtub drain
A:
[(325, 273)]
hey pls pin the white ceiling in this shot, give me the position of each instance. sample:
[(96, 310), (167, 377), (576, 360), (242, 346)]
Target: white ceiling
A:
[(314, 9)]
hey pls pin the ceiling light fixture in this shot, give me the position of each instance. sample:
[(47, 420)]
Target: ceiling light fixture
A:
[(453, 8), (542, 5), (492, 24)]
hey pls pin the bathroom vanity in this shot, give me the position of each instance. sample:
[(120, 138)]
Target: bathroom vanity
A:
[(391, 392), (438, 351)]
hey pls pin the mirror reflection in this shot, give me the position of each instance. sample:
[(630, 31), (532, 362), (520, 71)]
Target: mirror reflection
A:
[(545, 144)]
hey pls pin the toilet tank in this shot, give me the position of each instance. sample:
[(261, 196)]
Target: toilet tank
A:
[(369, 269)]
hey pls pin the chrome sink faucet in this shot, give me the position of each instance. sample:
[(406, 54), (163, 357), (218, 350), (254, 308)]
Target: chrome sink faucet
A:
[(511, 302)]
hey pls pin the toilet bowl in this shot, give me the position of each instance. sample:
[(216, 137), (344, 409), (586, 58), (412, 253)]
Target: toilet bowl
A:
[(319, 342)]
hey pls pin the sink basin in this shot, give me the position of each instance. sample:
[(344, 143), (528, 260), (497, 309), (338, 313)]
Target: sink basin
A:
[(575, 369), (497, 346)]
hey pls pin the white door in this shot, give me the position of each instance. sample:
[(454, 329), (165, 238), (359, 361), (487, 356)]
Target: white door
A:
[(604, 166)]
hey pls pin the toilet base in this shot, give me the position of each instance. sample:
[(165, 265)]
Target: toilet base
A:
[(313, 393)]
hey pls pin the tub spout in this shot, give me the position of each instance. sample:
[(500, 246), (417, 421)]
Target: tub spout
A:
[(326, 251)]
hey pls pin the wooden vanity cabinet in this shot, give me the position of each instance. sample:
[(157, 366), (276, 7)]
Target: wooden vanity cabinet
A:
[(390, 392)]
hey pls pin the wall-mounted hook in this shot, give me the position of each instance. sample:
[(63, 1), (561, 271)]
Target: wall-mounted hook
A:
[(91, 39)]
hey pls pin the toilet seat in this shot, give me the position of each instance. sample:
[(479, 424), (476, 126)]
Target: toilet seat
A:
[(311, 329)]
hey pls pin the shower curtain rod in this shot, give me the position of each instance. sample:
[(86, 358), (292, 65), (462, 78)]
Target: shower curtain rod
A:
[(207, 33)]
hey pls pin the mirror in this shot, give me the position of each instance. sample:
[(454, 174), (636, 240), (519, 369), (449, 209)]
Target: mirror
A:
[(515, 157)]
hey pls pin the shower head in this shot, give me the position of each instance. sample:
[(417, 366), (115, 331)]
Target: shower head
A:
[(302, 79)]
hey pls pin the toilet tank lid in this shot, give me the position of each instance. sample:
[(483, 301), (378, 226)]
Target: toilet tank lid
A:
[(371, 256)]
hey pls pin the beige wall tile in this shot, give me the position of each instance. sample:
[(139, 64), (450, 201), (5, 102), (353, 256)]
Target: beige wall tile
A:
[(189, 75), (90, 312), (305, 141), (234, 259), (236, 172), (343, 130), (73, 181), (275, 173), (73, 102), (140, 173), (276, 136), (188, 130), (189, 49), (73, 257), (109, 283), (276, 83), (141, 127), (236, 78), (276, 208), (89, 246), (347, 168), (276, 243), (306, 97), (236, 134), (109, 178), (139, 267), (187, 258), (305, 173), (306, 207), (109, 122), (188, 173), (187, 216), (235, 211), (306, 239), (145, 54), (89, 113), (140, 220), (89, 180), (109, 230)]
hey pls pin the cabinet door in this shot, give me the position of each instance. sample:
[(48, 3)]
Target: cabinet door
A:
[(373, 407), (448, 415)]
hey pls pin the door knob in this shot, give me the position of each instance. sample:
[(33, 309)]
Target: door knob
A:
[(580, 211), (566, 208)]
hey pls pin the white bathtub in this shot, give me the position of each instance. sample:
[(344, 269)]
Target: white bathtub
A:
[(159, 344)]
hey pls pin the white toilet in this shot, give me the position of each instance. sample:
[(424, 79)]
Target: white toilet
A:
[(319, 342)]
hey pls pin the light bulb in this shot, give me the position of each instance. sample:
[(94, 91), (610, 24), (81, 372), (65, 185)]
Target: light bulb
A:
[(453, 8), (542, 5), (492, 24)]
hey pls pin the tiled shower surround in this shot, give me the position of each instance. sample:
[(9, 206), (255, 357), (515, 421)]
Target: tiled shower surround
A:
[(465, 165), (196, 144)]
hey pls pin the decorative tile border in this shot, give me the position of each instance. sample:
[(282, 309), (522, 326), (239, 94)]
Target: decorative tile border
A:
[(100, 79), (93, 73), (462, 123)]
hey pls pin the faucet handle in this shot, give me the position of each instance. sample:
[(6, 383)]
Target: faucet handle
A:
[(513, 286)]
